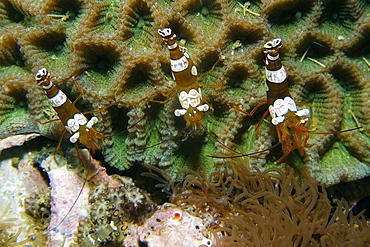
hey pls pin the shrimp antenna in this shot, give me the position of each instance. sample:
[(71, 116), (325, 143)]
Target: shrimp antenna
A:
[(215, 139), (180, 132), (244, 155), (253, 110), (334, 132), (164, 141), (82, 187)]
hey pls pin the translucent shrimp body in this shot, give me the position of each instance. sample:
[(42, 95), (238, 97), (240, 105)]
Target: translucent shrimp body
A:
[(74, 121)]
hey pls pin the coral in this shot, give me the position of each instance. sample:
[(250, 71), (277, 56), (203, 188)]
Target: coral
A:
[(25, 202), (173, 226), (115, 54), (85, 207), (65, 211), (116, 205), (272, 208), (9, 231), (38, 206), (16, 140)]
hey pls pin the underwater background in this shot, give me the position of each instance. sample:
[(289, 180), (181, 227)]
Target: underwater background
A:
[(112, 51)]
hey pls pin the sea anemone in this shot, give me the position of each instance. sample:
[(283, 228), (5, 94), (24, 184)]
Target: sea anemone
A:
[(273, 208)]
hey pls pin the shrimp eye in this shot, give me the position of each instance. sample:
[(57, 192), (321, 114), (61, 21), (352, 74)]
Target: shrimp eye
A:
[(41, 74)]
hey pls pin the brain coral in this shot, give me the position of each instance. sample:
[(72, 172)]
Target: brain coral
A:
[(113, 51)]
